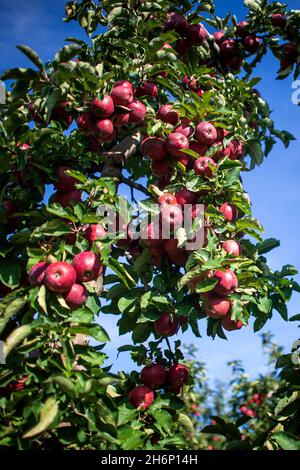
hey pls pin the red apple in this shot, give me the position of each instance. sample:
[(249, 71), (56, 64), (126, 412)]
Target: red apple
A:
[(122, 95), (185, 196), (228, 48), (60, 113), (197, 34), (153, 376), (182, 46), (86, 122), (104, 128), (242, 28), (171, 216), (60, 277), (76, 296), (179, 259), (234, 63), (124, 83), (206, 133), (227, 282), (217, 307), (177, 376), (65, 182), (103, 108), (175, 143), (161, 168), (219, 37), (279, 20), (251, 43), (154, 148), (185, 160), (185, 128), (167, 114), (87, 266), (234, 150), (95, 232), (141, 397), (290, 51), (120, 120), (138, 113), (202, 167), (147, 89), (201, 149), (229, 211), (232, 247), (166, 325), (36, 274), (167, 199), (9, 207), (231, 325), (64, 199), (177, 22), (171, 247)]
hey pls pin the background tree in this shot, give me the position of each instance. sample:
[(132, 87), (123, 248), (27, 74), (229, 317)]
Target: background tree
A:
[(159, 105)]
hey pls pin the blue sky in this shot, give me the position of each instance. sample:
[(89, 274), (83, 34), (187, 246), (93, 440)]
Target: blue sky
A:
[(274, 187)]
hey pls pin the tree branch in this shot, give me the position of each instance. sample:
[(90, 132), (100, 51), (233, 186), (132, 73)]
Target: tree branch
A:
[(134, 185)]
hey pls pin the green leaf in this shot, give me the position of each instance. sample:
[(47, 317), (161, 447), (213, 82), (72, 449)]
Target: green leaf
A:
[(267, 245), (16, 337), (163, 421), (96, 331), (286, 441), (126, 413), (122, 272), (186, 423), (49, 413), (10, 306), (19, 74), (42, 300), (141, 332), (66, 384), (32, 55), (126, 302), (53, 228), (10, 272), (67, 53)]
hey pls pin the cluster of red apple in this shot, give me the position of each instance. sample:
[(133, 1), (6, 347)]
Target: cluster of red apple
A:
[(200, 138), (255, 401), (67, 278), (114, 111), (191, 34), (154, 377)]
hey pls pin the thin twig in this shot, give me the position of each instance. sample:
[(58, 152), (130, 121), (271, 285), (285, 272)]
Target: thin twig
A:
[(133, 184)]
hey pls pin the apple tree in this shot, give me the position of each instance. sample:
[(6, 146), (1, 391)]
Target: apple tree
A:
[(160, 99)]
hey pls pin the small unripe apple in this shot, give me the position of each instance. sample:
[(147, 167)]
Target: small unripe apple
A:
[(242, 28), (185, 196), (167, 199), (251, 43), (185, 128), (206, 133), (279, 20), (227, 282), (229, 211), (175, 143), (138, 113), (154, 148), (219, 37), (167, 114), (147, 89), (36, 274), (87, 266), (161, 168), (60, 277), (171, 216), (141, 397), (153, 376), (217, 307), (76, 296), (64, 199), (166, 325), (231, 325), (103, 108), (122, 95), (197, 34), (202, 167), (232, 247), (65, 183), (228, 48), (177, 376)]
